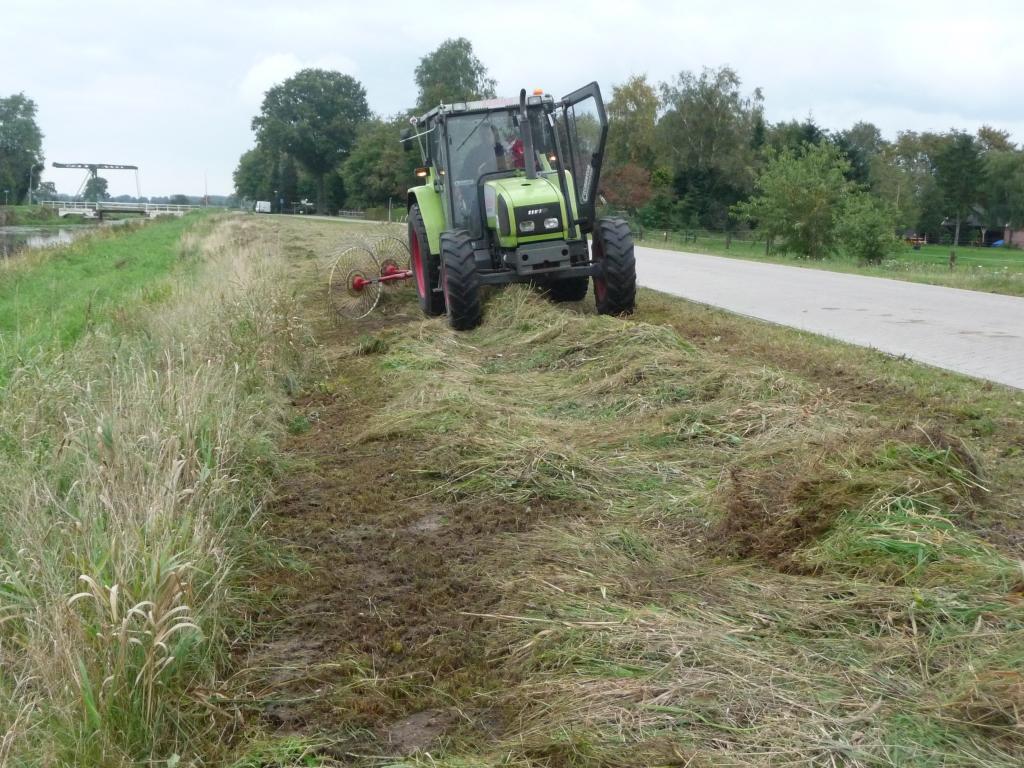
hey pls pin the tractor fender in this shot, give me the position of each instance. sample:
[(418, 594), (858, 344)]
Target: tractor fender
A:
[(429, 201)]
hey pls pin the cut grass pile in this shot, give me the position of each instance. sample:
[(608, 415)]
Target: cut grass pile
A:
[(146, 375), (759, 569)]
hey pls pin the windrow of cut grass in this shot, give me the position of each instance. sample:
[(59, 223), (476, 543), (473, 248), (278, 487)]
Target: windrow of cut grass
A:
[(757, 569), (136, 447)]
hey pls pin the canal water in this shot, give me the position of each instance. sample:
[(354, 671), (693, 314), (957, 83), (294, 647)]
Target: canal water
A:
[(14, 240)]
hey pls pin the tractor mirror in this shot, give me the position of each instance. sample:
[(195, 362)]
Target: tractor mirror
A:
[(407, 139)]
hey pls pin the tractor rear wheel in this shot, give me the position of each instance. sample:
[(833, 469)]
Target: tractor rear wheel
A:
[(569, 289), (615, 285), (426, 268), (460, 280)]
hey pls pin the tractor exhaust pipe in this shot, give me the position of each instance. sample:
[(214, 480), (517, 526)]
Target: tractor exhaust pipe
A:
[(529, 157)]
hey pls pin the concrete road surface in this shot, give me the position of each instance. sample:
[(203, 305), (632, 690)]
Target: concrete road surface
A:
[(979, 334)]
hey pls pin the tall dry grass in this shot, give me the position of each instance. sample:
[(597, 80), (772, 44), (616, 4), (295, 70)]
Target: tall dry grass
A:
[(133, 465)]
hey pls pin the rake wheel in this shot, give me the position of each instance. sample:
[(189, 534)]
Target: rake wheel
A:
[(352, 290), (391, 253)]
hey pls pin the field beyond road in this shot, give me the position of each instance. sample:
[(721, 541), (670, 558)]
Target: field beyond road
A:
[(979, 334), (238, 531)]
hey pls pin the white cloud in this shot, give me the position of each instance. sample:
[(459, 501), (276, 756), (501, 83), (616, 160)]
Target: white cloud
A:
[(266, 73), (273, 69)]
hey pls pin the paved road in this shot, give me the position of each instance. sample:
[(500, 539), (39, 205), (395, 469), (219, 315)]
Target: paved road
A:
[(980, 334)]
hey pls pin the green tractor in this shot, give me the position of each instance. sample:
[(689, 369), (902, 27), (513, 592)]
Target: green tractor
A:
[(508, 196)]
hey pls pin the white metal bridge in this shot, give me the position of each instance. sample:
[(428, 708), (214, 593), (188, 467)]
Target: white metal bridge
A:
[(96, 210)]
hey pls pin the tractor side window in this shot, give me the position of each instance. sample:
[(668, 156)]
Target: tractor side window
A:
[(434, 146), (584, 127)]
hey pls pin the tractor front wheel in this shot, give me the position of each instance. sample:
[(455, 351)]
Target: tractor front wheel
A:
[(615, 284), (569, 289), (460, 280), (426, 268)]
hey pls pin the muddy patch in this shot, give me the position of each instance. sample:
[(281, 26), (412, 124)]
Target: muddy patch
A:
[(419, 731), (375, 639)]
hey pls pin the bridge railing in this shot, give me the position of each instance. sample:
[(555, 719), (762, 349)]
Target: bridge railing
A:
[(84, 205)]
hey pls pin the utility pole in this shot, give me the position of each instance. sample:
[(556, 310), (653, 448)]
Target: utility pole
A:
[(31, 168)]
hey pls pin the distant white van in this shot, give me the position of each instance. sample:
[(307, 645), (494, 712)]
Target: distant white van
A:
[(262, 206)]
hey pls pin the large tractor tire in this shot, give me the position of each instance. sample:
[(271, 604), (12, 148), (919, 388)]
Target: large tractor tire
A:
[(426, 268), (569, 289), (460, 280), (615, 285)]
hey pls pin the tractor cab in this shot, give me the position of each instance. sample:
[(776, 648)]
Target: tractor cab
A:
[(508, 194)]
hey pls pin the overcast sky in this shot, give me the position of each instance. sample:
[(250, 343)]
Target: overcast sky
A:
[(172, 86)]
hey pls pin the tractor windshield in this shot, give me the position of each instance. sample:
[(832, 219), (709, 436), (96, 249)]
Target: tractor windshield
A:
[(477, 144), (487, 143)]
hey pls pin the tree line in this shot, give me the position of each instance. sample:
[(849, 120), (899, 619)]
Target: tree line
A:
[(317, 139), (692, 152), (697, 152)]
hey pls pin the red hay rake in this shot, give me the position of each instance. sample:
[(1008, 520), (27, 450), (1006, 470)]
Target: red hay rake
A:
[(360, 273)]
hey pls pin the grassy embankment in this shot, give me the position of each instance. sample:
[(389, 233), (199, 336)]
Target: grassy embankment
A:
[(143, 376), (27, 215), (684, 539), (994, 270)]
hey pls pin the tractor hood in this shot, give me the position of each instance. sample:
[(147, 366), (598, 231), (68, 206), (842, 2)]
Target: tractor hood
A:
[(522, 210)]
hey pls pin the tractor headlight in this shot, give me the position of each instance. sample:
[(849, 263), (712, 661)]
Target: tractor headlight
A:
[(551, 223), (526, 226)]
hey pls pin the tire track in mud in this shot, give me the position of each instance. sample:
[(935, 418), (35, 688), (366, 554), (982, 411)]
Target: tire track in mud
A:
[(371, 645)]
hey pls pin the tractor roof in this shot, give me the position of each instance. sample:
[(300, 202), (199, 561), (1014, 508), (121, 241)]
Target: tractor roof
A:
[(483, 105)]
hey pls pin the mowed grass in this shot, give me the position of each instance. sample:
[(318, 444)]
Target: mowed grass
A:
[(48, 300), (146, 378), (994, 270), (776, 550)]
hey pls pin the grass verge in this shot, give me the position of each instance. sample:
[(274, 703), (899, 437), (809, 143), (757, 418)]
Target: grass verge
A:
[(145, 377), (49, 299)]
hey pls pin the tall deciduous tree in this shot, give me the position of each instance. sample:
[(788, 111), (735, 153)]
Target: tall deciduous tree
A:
[(1003, 190), (628, 186), (21, 145), (452, 72), (708, 136), (313, 116), (632, 114), (96, 189), (861, 143), (959, 172), (994, 139), (256, 176), (378, 168), (799, 199)]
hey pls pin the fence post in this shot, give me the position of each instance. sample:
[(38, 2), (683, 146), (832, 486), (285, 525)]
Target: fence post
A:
[(665, 237)]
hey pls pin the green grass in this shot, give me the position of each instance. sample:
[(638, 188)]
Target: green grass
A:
[(19, 215), (49, 300), (994, 270)]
